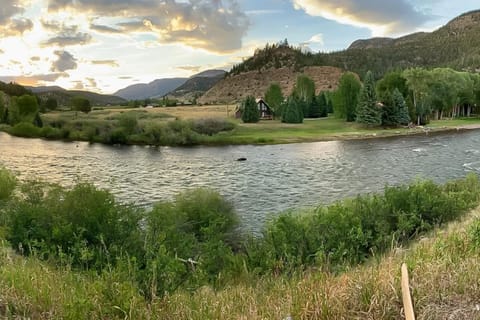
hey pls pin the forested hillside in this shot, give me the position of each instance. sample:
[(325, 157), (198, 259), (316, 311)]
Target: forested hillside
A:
[(455, 45)]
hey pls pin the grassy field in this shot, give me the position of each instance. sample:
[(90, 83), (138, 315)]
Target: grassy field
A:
[(444, 276), (264, 132)]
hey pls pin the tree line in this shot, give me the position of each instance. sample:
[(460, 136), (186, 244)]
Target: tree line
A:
[(415, 95)]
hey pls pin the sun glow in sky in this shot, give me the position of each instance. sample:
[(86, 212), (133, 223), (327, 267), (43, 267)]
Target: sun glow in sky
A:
[(105, 45)]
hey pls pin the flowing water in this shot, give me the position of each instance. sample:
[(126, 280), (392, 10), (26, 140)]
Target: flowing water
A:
[(273, 178)]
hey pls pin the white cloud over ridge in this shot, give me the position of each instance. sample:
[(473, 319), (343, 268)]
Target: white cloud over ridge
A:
[(381, 16)]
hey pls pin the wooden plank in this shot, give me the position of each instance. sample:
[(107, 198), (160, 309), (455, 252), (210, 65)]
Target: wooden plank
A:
[(407, 298)]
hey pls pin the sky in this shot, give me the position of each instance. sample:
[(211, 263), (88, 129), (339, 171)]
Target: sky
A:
[(106, 45)]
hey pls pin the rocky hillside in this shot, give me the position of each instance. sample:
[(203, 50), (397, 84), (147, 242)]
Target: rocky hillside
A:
[(236, 87), (197, 85)]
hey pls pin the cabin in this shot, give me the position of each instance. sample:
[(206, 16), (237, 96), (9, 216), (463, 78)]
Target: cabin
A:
[(266, 113)]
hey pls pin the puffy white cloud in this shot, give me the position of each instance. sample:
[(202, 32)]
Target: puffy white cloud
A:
[(382, 17)]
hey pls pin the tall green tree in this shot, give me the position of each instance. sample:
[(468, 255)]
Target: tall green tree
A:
[(81, 104), (400, 106), (274, 97), (318, 107), (345, 99), (250, 112), (304, 88), (418, 81), (368, 112), (292, 111), (27, 105), (51, 104)]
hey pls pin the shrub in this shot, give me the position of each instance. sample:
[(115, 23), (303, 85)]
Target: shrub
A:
[(199, 225), (82, 226), (349, 231), (212, 126), (25, 129), (7, 184)]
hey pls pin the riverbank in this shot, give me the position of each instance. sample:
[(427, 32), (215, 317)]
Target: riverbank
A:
[(61, 282), (207, 125)]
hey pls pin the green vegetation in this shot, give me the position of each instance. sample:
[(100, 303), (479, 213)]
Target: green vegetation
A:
[(111, 260), (293, 110), (250, 112), (454, 45), (368, 112), (345, 98), (81, 104), (274, 98)]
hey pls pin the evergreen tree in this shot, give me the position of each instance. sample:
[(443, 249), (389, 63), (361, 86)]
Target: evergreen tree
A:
[(403, 117), (318, 107), (292, 112), (250, 112), (367, 111)]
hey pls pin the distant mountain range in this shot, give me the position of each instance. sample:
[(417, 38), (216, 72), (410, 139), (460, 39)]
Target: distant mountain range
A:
[(176, 87), (155, 88), (64, 96)]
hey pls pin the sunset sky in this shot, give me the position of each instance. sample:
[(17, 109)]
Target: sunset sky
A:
[(105, 45)]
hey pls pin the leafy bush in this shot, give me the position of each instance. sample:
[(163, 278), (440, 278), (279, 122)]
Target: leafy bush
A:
[(348, 232), (199, 226), (7, 184), (211, 126), (25, 129), (83, 226)]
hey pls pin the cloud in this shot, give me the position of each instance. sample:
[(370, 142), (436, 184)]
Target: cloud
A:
[(111, 63), (104, 29), (315, 39), (214, 25), (125, 77), (65, 35), (65, 61), (34, 80), (380, 16), (35, 58), (190, 68), (9, 9), (64, 39)]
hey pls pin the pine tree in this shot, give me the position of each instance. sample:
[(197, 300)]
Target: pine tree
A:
[(403, 117), (292, 112), (367, 111), (250, 112)]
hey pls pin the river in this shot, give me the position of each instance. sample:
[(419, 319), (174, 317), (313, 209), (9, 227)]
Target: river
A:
[(274, 178)]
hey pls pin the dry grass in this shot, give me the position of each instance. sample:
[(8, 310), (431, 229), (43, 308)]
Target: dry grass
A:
[(444, 275)]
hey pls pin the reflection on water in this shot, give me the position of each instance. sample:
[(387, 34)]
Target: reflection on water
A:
[(273, 179)]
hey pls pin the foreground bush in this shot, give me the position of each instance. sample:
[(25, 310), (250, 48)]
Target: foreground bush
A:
[(350, 231), (194, 240)]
